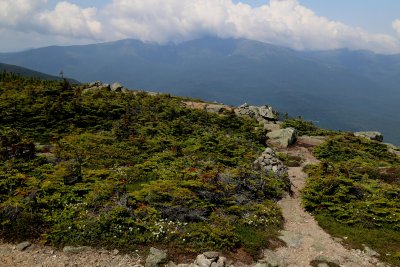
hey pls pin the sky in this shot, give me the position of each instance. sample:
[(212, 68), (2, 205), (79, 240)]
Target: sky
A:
[(299, 24)]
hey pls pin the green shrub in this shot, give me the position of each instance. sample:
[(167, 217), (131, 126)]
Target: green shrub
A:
[(354, 191), (121, 170)]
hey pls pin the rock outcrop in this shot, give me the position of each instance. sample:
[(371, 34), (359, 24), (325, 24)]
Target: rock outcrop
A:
[(209, 107), (155, 258), (372, 135), (282, 137), (268, 162), (98, 86), (263, 114)]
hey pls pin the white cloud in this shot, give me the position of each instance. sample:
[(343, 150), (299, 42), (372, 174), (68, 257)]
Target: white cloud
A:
[(65, 20), (396, 26), (13, 12), (283, 22), (70, 20)]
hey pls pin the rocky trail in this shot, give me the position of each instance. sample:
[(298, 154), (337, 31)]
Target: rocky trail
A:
[(306, 242)]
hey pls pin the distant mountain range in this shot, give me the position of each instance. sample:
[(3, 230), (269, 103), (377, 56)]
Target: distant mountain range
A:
[(30, 73), (340, 89)]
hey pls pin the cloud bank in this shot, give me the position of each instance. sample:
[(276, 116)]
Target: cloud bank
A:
[(281, 22), (66, 19)]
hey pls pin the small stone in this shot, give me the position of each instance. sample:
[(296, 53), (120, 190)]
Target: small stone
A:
[(202, 261), (74, 250), (370, 252), (183, 265), (115, 252), (23, 245), (171, 264), (221, 262)]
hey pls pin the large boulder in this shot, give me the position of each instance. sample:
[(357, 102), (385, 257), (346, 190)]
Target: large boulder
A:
[(263, 114), (372, 135), (116, 87), (283, 137), (96, 87)]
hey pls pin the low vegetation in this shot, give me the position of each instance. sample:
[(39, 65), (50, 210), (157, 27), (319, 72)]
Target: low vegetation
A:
[(122, 170), (355, 193), (306, 127)]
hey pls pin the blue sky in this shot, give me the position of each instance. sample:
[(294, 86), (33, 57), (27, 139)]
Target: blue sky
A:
[(300, 24)]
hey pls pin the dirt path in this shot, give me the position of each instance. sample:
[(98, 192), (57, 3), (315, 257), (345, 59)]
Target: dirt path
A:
[(305, 240)]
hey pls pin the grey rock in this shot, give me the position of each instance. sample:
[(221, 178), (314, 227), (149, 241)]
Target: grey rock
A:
[(116, 87), (23, 245), (211, 255), (183, 265), (271, 127), (291, 239), (263, 114), (221, 262), (261, 264), (267, 112), (370, 252), (268, 162), (283, 137), (214, 264), (155, 258), (202, 261), (372, 135), (325, 259), (75, 250), (323, 264), (171, 264)]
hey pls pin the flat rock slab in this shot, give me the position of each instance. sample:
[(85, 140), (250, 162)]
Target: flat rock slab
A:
[(291, 239), (23, 245)]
